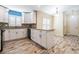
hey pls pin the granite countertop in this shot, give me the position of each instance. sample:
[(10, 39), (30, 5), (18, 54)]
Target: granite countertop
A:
[(13, 27), (44, 29)]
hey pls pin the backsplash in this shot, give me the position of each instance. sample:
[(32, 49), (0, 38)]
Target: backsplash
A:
[(29, 25)]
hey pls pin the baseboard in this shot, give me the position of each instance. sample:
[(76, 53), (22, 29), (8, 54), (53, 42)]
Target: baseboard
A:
[(15, 39), (39, 45), (78, 35), (59, 35), (70, 34)]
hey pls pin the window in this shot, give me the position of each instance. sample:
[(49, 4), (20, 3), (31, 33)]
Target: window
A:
[(46, 23)]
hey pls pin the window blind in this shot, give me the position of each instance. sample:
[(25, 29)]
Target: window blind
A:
[(16, 13)]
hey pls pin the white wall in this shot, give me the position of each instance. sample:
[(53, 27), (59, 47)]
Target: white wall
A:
[(58, 24)]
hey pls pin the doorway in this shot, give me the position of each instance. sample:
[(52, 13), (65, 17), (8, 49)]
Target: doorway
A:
[(71, 24)]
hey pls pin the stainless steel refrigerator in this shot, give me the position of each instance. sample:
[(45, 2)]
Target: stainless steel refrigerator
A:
[(2, 29), (0, 40)]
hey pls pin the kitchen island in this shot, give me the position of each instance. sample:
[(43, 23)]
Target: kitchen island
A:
[(45, 38)]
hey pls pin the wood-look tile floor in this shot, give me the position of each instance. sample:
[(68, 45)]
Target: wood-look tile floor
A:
[(70, 44), (23, 46)]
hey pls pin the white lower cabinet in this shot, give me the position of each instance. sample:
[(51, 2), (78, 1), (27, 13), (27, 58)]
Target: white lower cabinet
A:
[(11, 34), (21, 33), (24, 32), (35, 36), (44, 38), (32, 34), (39, 37), (6, 35), (18, 33)]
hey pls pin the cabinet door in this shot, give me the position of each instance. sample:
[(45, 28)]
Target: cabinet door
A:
[(27, 17), (12, 34), (38, 36), (24, 32), (32, 34), (33, 17), (22, 17), (6, 35), (35, 36), (11, 20), (18, 20), (18, 33), (6, 16), (21, 33), (44, 39), (2, 14)]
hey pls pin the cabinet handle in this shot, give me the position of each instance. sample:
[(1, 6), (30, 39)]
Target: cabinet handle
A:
[(40, 35), (16, 32)]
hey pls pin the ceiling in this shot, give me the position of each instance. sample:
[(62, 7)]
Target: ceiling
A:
[(50, 9)]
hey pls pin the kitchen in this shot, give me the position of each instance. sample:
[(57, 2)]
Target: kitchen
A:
[(39, 29)]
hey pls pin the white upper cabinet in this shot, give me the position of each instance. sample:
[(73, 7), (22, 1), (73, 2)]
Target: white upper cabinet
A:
[(22, 18), (30, 17), (27, 17), (33, 17), (11, 20), (18, 21), (6, 16), (15, 18), (2, 14)]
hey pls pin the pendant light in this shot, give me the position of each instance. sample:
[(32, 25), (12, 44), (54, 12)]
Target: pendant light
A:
[(56, 10)]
